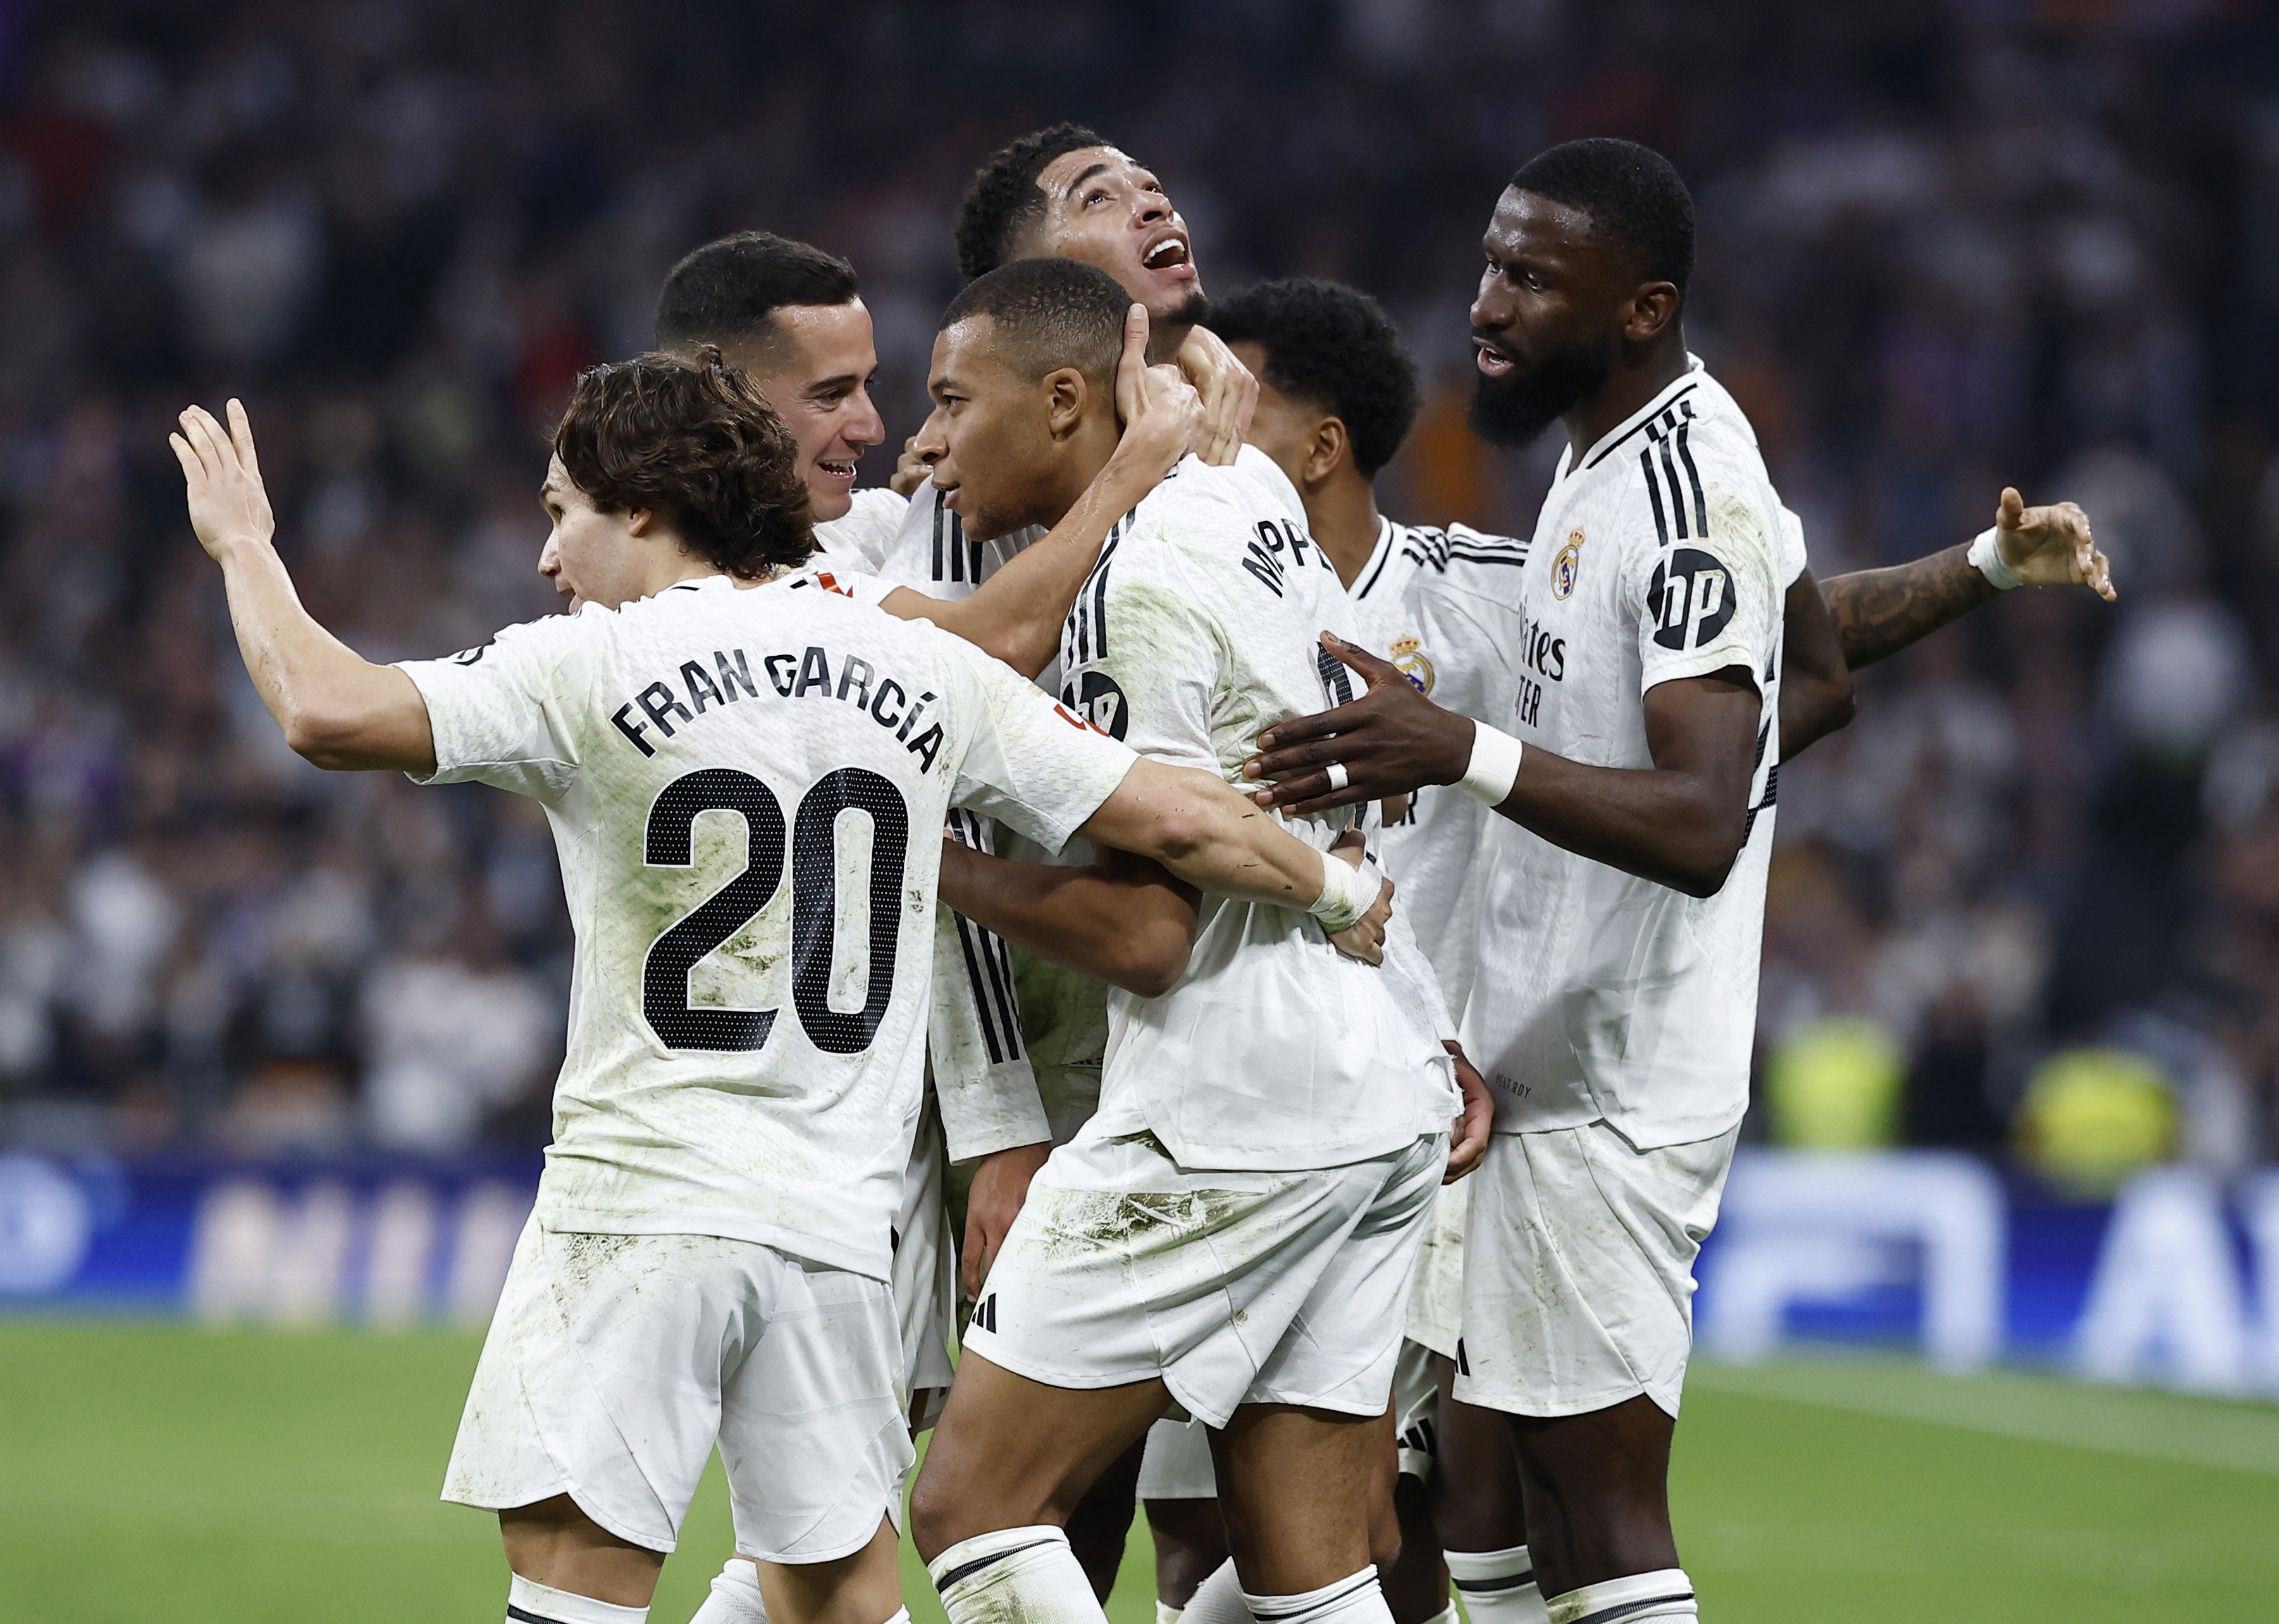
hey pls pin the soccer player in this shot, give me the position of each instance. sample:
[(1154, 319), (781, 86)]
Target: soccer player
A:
[(1233, 1229), (1337, 396), (732, 777), (1619, 947)]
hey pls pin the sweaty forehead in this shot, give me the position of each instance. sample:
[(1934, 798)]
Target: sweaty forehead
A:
[(1530, 222), (965, 352), (1064, 172)]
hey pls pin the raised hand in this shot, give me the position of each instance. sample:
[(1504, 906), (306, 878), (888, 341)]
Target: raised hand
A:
[(1391, 740), (1230, 394), (228, 503), (910, 469), (1164, 417), (2052, 546)]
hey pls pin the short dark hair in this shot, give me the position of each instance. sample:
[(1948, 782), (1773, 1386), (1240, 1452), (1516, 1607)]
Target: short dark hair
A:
[(1050, 313), (1003, 200), (695, 440), (1333, 347), (726, 291), (1631, 192)]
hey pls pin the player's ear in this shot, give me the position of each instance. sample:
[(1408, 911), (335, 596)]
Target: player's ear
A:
[(1331, 444), (1653, 307), (1066, 396)]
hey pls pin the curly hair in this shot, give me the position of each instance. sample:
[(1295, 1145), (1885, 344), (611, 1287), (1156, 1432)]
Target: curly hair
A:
[(1632, 193), (1003, 200), (1334, 348), (693, 441)]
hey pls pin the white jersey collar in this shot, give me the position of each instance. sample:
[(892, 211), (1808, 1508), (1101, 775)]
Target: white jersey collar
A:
[(1686, 383), (1378, 557)]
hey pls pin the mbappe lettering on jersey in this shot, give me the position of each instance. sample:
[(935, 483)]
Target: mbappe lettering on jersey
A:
[(1263, 557), (805, 675)]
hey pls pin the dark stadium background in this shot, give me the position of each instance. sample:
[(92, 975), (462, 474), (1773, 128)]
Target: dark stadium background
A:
[(1943, 247), (275, 1045)]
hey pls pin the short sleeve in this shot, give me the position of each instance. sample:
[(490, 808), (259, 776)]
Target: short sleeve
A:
[(1710, 600), (1790, 559), (864, 537), (1140, 656), (501, 712), (1027, 761)]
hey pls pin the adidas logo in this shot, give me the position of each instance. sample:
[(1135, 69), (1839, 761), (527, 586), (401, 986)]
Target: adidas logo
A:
[(985, 1313)]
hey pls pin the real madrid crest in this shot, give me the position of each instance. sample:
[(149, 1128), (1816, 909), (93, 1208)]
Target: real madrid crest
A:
[(1564, 566), (1409, 659)]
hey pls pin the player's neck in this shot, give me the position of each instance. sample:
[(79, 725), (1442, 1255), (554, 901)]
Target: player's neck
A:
[(1625, 391), (1094, 442), (1342, 515), (1163, 341)]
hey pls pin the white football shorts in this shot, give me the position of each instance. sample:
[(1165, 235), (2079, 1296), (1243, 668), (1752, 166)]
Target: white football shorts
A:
[(1436, 1304), (926, 1266), (616, 1362), (1234, 1287), (1178, 1463), (1579, 1270), (1416, 1409)]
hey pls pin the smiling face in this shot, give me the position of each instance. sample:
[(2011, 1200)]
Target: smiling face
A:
[(1555, 305), (591, 556), (1105, 210), (816, 365)]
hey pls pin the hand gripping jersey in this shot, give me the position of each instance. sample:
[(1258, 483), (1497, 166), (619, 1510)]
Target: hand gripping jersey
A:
[(1199, 627), (746, 789), (1661, 554), (1443, 605)]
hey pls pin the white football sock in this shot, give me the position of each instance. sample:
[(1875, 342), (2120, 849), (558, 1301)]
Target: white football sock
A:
[(1217, 1599), (1357, 1598), (1666, 1593), (529, 1601), (1027, 1574), (1498, 1586), (735, 1598), (1166, 1614)]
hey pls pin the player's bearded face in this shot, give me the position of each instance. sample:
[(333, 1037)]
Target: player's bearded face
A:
[(1106, 210), (1515, 399)]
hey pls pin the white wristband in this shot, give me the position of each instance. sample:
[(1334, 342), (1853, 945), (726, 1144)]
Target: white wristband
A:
[(1986, 558), (1494, 767), (1347, 892)]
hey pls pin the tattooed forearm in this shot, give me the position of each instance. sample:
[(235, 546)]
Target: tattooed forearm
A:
[(1878, 612)]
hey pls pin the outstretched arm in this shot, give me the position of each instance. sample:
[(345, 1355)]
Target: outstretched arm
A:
[(1016, 616), (1878, 612), (1815, 683), (1208, 834), (1680, 823), (1122, 919), (337, 709)]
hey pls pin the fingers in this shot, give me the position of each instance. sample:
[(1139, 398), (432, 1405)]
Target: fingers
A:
[(241, 435), (1132, 366), (193, 471), (1310, 794), (1360, 660), (2010, 511), (1284, 735)]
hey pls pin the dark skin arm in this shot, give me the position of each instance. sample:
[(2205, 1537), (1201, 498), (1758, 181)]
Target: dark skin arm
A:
[(1679, 823), (1816, 685), (1122, 919)]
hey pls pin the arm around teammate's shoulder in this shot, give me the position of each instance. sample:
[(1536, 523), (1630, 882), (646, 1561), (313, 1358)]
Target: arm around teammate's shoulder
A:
[(336, 708)]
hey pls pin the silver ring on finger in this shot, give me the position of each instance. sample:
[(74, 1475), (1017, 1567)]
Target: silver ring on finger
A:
[(1338, 778)]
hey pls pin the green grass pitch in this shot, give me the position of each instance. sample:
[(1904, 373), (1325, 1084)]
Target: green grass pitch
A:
[(151, 1472)]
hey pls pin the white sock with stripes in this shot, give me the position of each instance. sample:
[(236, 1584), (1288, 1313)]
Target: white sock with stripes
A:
[(1217, 1599), (1357, 1598), (1664, 1594), (735, 1598), (1498, 1586), (1027, 1574), (529, 1602)]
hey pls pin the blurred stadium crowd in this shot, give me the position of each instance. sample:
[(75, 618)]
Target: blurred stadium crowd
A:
[(2031, 899)]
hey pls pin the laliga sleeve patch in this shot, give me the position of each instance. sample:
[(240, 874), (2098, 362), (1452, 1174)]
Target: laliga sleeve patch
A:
[(1095, 697), (1691, 598)]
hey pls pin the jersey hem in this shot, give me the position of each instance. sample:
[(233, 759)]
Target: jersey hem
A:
[(563, 1218)]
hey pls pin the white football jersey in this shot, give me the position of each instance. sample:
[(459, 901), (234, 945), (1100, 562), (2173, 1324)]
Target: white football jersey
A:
[(746, 789), (1661, 554), (1200, 626), (1443, 605), (865, 534)]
